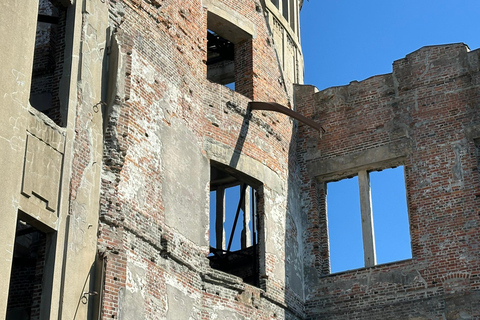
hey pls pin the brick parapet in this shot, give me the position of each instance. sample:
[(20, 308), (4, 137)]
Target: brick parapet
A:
[(425, 109)]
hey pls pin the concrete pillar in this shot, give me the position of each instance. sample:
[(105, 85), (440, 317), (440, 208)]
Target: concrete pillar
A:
[(247, 212), (220, 219), (367, 219)]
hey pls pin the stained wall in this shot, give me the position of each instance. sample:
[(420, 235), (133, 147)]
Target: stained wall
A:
[(165, 123)]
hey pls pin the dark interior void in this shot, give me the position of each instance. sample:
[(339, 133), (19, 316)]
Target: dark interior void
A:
[(234, 223), (229, 58), (220, 59), (285, 9), (241, 263), (48, 60), (26, 279)]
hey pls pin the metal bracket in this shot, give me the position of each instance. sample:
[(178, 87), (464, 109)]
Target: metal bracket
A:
[(85, 296)]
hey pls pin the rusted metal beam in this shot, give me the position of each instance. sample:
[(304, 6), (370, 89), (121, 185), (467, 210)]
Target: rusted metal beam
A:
[(273, 106)]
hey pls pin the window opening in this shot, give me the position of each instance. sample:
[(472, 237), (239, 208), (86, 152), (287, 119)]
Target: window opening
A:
[(275, 3), (292, 14), (285, 9), (48, 60), (220, 59), (368, 220), (234, 225), (344, 225), (26, 279), (392, 231), (229, 55)]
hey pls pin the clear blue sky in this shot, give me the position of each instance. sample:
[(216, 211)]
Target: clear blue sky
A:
[(353, 40), (390, 219)]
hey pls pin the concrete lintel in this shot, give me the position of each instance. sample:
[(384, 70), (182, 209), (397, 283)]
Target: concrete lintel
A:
[(223, 154), (228, 23), (389, 155), (40, 219)]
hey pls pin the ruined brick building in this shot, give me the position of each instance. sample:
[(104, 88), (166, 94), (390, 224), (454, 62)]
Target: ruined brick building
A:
[(126, 124)]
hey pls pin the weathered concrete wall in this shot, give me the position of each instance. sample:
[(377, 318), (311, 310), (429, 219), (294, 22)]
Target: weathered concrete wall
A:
[(425, 116), (43, 156), (86, 119), (164, 123), (14, 100)]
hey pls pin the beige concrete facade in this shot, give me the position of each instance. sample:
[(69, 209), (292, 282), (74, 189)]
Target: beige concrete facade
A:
[(38, 155)]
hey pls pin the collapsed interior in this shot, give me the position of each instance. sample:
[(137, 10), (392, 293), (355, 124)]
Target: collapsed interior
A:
[(234, 224), (220, 60)]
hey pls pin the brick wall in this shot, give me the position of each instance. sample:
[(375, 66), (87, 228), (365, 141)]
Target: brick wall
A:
[(165, 123), (426, 114)]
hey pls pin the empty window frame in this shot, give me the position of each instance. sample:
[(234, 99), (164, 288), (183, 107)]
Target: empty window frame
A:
[(275, 3), (229, 55), (220, 60), (285, 9), (31, 274), (48, 60), (289, 11), (368, 220), (293, 14), (234, 224)]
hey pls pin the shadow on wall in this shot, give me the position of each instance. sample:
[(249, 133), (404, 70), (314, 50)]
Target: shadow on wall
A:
[(241, 138), (294, 230)]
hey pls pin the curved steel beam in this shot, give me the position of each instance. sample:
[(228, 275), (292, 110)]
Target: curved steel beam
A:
[(273, 106)]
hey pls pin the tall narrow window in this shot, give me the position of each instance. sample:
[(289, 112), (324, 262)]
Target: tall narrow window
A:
[(220, 60), (477, 150), (48, 60), (293, 12), (344, 225), (234, 224), (27, 276), (368, 220), (229, 55), (390, 218), (285, 9)]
